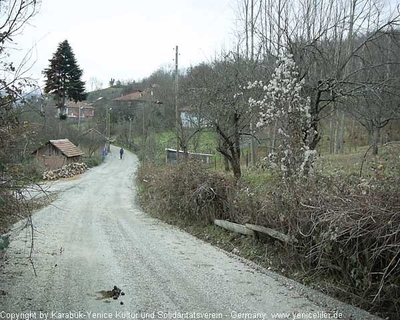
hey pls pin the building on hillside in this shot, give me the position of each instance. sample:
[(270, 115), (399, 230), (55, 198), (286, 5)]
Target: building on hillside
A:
[(73, 111), (79, 111), (136, 105), (136, 98), (57, 153), (133, 99)]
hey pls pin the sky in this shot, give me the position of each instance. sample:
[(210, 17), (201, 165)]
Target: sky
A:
[(127, 39)]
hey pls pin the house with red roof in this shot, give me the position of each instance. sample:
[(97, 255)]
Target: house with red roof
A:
[(136, 98), (79, 111)]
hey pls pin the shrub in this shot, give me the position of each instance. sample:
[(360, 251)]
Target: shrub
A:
[(93, 161), (187, 192), (345, 228), (348, 228)]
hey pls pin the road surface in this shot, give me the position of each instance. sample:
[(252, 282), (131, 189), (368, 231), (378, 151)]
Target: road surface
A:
[(94, 236)]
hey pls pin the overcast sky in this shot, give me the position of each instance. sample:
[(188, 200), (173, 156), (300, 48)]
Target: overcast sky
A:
[(128, 39)]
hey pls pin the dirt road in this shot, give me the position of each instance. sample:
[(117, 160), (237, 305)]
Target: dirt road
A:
[(95, 237)]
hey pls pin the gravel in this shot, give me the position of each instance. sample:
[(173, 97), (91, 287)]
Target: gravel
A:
[(94, 238)]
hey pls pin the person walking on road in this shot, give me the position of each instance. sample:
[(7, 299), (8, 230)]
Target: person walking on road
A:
[(121, 153)]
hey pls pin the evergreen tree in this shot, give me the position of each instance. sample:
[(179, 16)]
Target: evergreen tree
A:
[(63, 77)]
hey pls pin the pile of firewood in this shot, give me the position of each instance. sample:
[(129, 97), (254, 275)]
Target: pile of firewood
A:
[(67, 171)]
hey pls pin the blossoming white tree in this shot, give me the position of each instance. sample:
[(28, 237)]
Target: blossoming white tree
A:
[(283, 103)]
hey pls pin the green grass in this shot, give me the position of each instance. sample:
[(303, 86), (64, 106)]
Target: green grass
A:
[(347, 163), (206, 143), (107, 93), (256, 177), (385, 163), (157, 143), (165, 140)]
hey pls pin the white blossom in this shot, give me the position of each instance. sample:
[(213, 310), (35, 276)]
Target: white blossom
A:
[(283, 103)]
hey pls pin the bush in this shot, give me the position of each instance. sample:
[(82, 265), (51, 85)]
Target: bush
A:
[(188, 192), (92, 161), (346, 228)]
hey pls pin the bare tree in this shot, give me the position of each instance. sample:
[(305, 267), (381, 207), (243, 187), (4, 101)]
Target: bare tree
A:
[(14, 86), (192, 119), (378, 102), (225, 108), (327, 39)]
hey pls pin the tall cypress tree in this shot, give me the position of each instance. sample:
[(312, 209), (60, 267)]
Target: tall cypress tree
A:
[(63, 77)]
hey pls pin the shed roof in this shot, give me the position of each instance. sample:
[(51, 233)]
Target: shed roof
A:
[(67, 148)]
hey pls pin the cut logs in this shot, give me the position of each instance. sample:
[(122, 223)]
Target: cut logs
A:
[(271, 232), (253, 230), (67, 171), (238, 228)]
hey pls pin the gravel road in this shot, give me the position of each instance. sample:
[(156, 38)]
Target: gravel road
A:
[(94, 236)]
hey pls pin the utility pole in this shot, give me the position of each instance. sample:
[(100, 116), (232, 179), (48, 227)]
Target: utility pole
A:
[(79, 118), (176, 103), (143, 128), (108, 127), (130, 132)]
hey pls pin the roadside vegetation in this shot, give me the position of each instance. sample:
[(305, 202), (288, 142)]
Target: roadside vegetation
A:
[(339, 212), (29, 118), (346, 226), (15, 172)]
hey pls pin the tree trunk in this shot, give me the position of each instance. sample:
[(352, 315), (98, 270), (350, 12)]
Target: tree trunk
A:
[(331, 137), (273, 136), (236, 166), (377, 138), (337, 133), (235, 150), (342, 131), (226, 164), (279, 27), (315, 135), (351, 135)]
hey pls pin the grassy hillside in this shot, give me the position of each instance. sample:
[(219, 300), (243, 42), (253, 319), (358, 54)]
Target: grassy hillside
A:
[(107, 93)]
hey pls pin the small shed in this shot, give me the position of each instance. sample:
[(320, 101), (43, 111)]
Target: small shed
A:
[(57, 153)]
